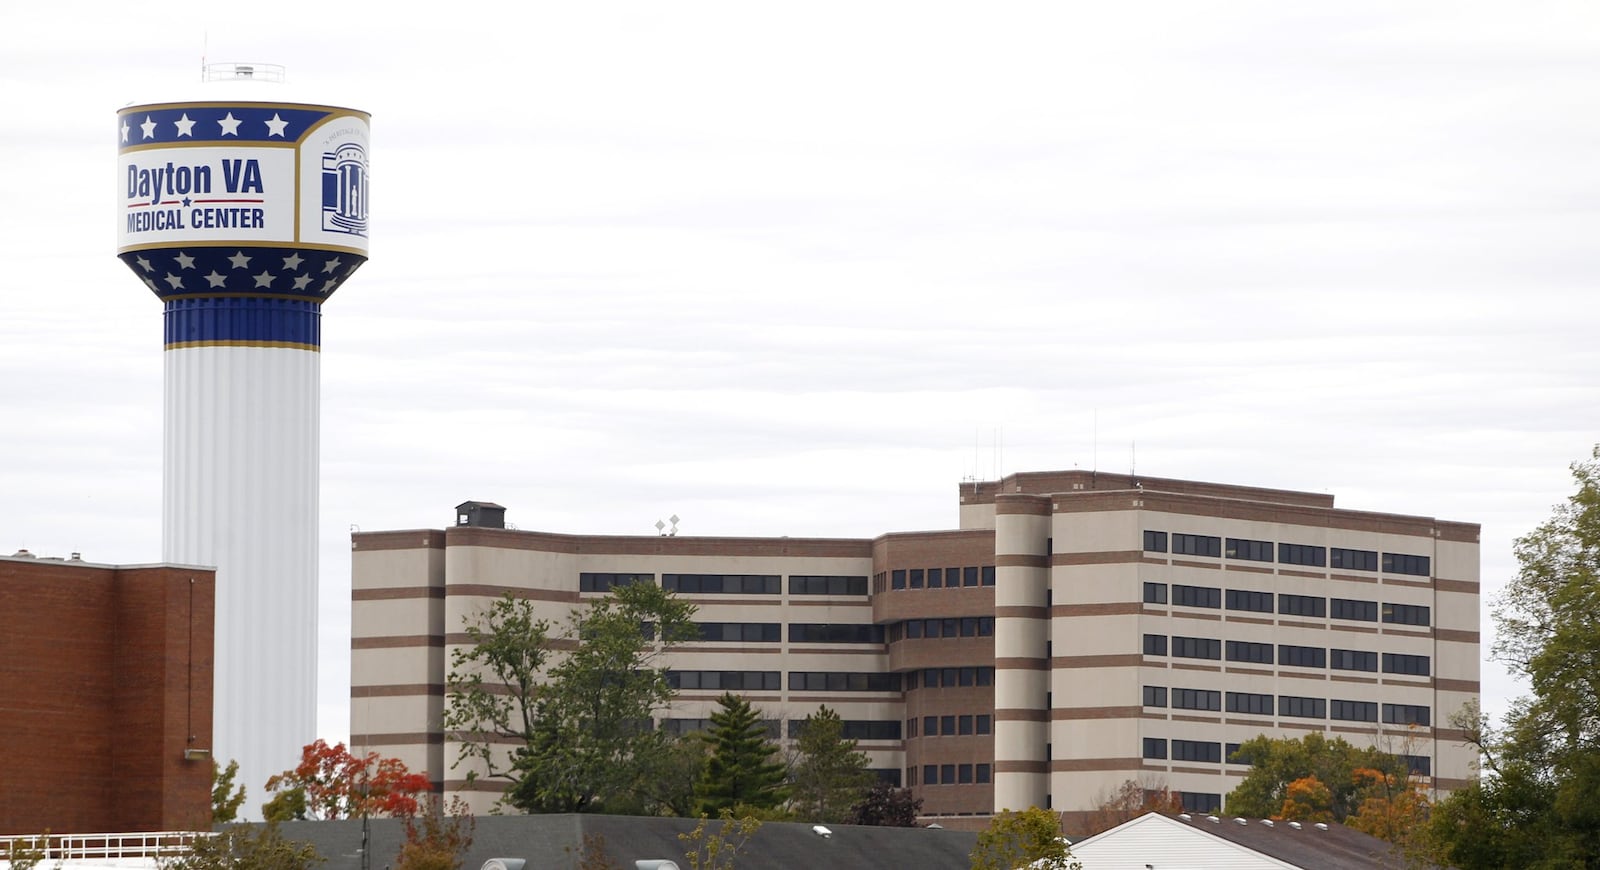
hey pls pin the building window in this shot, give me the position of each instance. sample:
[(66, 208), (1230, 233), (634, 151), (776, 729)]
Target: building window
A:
[(1352, 660), (964, 774), (983, 723), (725, 584), (1245, 702), (1196, 699), (1353, 711), (1196, 596), (1197, 750), (1405, 714), (988, 575), (764, 681), (1302, 656), (1196, 545), (770, 727), (1231, 754), (1302, 554), (1353, 560), (947, 774), (897, 579), (844, 632), (1406, 614), (745, 632), (1302, 708), (1420, 765), (1155, 747), (1361, 611), (1248, 550), (964, 725), (600, 581), (1155, 593), (950, 678), (935, 578), (1395, 663), (1155, 542), (1257, 653), (967, 626), (1155, 644), (1302, 605), (930, 774), (843, 681), (802, 584), (1256, 602), (1400, 563), (947, 726), (1196, 647), (1155, 696), (856, 729), (1197, 802), (981, 774)]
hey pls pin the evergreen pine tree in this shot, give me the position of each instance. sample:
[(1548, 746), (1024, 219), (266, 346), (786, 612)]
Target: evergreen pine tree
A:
[(740, 771), (827, 772)]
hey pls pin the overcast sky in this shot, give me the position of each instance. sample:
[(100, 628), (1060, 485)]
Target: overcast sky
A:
[(799, 269)]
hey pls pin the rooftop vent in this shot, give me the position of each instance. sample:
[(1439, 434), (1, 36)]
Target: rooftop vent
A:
[(1267, 822), (1239, 821), (1185, 816), (23, 554), (504, 864), (1322, 826), (483, 514), (1213, 819), (1295, 825)]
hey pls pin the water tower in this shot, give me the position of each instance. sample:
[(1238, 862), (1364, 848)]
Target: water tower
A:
[(243, 212)]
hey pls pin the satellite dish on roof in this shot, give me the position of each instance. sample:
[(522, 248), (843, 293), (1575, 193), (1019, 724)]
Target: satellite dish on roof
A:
[(504, 864)]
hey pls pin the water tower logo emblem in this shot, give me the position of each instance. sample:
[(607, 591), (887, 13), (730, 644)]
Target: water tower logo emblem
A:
[(344, 189)]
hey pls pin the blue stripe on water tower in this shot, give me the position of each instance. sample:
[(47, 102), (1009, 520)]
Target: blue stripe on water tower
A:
[(243, 322)]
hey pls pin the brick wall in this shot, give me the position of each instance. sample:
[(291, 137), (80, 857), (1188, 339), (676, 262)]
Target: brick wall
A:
[(105, 680)]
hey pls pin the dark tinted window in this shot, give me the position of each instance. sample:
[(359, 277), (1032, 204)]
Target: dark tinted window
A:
[(1302, 605), (1302, 554), (1400, 563), (1253, 551)]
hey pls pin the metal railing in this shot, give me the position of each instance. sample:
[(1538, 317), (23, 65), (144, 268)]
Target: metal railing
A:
[(68, 847)]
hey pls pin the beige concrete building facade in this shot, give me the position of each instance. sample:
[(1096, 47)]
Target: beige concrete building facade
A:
[(1078, 630)]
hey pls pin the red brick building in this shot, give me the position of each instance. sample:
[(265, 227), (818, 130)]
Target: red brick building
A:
[(105, 696)]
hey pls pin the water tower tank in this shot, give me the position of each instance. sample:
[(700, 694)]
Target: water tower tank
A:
[(243, 211)]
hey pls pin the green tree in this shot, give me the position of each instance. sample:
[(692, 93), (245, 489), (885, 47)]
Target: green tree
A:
[(827, 775), (885, 806), (591, 743), (740, 772), (225, 797), (1277, 762), (244, 847), (1030, 838), (1535, 804), (288, 805), (494, 682), (667, 785)]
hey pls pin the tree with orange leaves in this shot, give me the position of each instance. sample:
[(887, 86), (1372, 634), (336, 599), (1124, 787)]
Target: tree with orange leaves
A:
[(1389, 807), (332, 783), (1307, 799)]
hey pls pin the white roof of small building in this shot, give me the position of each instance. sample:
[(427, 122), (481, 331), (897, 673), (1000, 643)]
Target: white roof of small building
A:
[(1164, 843)]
